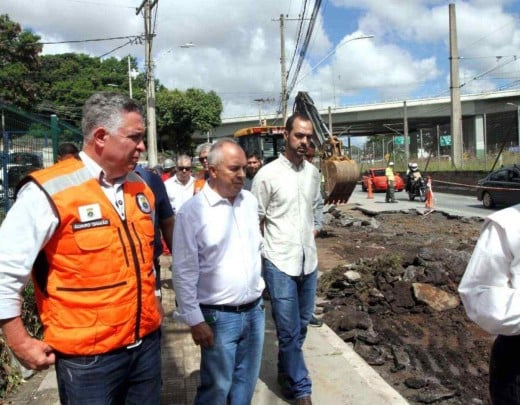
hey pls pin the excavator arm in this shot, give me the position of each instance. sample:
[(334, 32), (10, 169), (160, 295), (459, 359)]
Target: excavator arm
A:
[(340, 174)]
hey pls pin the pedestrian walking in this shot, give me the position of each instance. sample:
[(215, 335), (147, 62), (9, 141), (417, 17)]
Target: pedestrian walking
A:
[(217, 279), (288, 192), (94, 284)]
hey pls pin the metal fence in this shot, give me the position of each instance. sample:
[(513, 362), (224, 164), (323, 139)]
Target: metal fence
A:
[(29, 142)]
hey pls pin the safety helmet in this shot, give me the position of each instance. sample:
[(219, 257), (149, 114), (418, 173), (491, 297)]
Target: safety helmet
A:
[(413, 166), (168, 164)]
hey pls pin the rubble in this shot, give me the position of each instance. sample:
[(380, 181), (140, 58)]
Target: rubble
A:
[(391, 291)]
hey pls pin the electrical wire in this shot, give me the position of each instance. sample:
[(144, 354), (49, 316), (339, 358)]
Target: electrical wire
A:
[(305, 45)]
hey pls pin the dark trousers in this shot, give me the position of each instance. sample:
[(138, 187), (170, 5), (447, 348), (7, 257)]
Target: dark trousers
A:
[(504, 371), (390, 191), (124, 376)]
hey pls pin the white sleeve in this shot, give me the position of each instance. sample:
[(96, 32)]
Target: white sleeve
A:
[(28, 226), (185, 270), (488, 287)]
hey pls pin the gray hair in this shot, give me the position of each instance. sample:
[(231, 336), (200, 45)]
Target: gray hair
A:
[(105, 109), (203, 147), (215, 153), (183, 158)]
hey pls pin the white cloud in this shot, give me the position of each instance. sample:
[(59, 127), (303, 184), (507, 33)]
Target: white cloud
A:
[(237, 44)]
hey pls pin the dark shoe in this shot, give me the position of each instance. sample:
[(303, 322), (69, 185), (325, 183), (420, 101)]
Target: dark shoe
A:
[(395, 202), (315, 322), (304, 401), (285, 386)]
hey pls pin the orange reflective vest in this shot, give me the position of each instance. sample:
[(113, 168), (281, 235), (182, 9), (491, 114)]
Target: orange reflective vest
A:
[(199, 182), (99, 291)]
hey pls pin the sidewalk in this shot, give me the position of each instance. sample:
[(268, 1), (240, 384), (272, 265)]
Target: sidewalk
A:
[(339, 375)]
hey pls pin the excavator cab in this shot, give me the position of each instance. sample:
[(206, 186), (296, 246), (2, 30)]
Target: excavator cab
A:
[(340, 173)]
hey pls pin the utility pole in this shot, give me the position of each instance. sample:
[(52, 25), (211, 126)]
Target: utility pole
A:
[(150, 82), (284, 69), (405, 133), (129, 78), (260, 101), (456, 109)]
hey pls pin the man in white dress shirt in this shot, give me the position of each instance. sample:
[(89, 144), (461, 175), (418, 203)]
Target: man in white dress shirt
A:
[(288, 193), (180, 186), (217, 279), (490, 291)]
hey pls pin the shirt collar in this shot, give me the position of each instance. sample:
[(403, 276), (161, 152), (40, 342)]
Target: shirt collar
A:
[(288, 163), (215, 198), (95, 169)]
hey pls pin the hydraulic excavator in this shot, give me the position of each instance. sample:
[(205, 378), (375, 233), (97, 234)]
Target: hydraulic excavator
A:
[(340, 173)]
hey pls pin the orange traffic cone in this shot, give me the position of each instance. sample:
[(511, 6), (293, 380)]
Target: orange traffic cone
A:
[(429, 193), (370, 193)]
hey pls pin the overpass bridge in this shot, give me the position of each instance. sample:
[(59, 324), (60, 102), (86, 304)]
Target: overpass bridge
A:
[(488, 120)]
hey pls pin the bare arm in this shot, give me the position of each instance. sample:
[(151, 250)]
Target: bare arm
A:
[(32, 353), (166, 226)]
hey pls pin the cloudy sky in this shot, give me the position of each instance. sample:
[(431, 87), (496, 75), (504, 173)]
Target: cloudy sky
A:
[(236, 48)]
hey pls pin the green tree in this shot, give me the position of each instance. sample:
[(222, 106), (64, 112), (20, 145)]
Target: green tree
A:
[(19, 59), (68, 79), (180, 114)]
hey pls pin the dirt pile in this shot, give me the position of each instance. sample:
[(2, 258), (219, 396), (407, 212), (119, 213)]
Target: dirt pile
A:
[(389, 288)]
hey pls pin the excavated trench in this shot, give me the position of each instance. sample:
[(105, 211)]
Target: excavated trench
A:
[(389, 288)]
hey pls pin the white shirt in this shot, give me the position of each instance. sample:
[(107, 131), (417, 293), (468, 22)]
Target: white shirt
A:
[(178, 193), (288, 197), (216, 253), (28, 226), (490, 287)]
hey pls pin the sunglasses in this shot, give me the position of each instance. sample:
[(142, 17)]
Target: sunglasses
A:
[(202, 159), (183, 169)]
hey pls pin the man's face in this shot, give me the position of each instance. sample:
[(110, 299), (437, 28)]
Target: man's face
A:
[(184, 170), (122, 147), (253, 165), (203, 158), (297, 141), (227, 178)]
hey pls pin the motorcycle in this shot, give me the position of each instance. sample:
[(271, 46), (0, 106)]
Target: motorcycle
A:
[(417, 188)]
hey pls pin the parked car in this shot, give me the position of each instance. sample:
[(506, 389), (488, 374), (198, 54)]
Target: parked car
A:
[(379, 180), (501, 187)]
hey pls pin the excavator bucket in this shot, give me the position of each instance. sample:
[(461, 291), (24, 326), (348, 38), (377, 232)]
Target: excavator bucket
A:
[(340, 176)]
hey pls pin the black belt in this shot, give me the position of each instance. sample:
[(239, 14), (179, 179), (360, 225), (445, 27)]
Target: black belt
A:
[(232, 308)]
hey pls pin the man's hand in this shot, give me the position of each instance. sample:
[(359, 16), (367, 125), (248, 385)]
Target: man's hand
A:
[(202, 335), (32, 353)]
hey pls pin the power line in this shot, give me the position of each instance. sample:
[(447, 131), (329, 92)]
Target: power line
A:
[(129, 37)]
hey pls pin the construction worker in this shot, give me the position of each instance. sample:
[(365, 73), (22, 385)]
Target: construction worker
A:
[(390, 178)]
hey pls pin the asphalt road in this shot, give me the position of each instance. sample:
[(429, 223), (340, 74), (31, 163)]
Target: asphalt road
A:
[(451, 203)]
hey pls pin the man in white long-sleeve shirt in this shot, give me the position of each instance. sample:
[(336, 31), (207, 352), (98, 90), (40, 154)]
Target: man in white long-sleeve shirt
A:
[(217, 279), (288, 193), (490, 291)]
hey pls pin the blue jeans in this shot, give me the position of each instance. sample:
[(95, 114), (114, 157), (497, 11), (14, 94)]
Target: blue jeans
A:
[(292, 301), (504, 371), (229, 370), (125, 376)]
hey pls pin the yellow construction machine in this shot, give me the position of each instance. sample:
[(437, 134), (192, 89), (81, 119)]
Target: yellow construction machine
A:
[(340, 173)]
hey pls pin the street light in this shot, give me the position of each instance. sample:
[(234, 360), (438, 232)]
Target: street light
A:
[(517, 120), (331, 53)]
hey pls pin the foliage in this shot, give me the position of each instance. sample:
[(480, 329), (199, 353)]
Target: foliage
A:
[(19, 60), (9, 376), (180, 114), (68, 79)]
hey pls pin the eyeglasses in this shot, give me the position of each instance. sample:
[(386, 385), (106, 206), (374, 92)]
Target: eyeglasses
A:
[(202, 159), (183, 169), (134, 138)]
